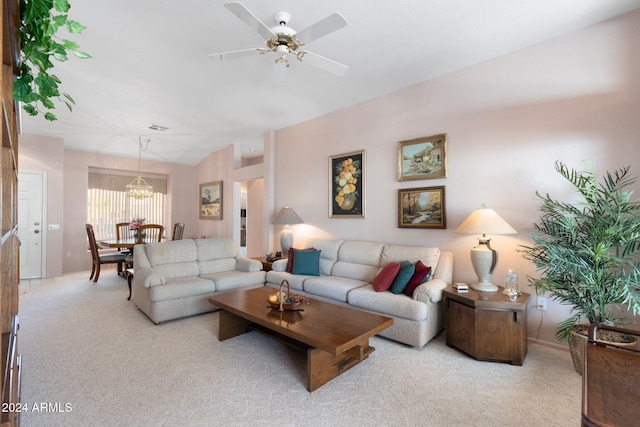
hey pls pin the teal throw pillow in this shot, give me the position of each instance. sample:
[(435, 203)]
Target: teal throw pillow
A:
[(402, 279), (306, 262)]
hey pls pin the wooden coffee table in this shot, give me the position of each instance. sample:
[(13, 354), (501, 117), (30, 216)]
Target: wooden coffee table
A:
[(335, 338)]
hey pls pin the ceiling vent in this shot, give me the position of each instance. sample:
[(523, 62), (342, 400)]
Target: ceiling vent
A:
[(153, 126)]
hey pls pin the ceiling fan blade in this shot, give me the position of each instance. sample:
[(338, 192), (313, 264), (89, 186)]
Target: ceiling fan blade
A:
[(323, 63), (321, 28), (235, 54), (250, 19)]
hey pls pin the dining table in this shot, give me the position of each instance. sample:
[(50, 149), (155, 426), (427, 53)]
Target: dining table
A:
[(118, 243)]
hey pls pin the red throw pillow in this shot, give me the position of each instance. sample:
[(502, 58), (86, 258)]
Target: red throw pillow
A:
[(290, 261), (419, 276), (384, 279)]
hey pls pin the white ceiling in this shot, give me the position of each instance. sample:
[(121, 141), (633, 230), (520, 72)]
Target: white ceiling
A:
[(150, 64)]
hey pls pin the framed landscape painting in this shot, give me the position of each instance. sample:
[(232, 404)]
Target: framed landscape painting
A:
[(423, 158), (422, 208), (211, 200), (346, 185)]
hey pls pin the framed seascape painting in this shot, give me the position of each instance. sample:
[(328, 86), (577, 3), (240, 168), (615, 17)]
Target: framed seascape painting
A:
[(211, 200), (346, 185), (423, 158), (421, 208)]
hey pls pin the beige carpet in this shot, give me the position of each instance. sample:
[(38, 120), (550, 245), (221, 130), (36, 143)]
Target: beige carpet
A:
[(94, 359)]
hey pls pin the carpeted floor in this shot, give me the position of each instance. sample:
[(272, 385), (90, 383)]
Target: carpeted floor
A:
[(91, 358)]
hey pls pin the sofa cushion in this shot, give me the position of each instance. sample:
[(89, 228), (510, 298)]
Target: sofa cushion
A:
[(421, 275), (275, 278), (216, 266), (230, 280), (181, 287), (399, 253), (402, 278), (306, 262), (176, 258), (384, 278), (221, 247), (329, 256), (175, 251), (359, 252), (387, 303), (335, 288), (349, 270)]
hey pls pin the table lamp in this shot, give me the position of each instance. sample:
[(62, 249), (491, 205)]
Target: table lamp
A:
[(483, 258), (286, 217)]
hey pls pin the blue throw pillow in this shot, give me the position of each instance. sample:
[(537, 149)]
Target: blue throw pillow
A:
[(306, 262), (402, 279)]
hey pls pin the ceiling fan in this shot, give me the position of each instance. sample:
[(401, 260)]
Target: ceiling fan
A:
[(285, 41)]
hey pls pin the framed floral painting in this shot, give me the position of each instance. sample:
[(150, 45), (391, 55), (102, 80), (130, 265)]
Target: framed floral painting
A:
[(423, 158), (346, 186), (211, 200), (422, 208)]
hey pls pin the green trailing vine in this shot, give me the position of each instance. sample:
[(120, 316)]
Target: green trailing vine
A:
[(35, 86)]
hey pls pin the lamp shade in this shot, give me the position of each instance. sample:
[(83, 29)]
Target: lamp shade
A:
[(485, 221), (287, 216)]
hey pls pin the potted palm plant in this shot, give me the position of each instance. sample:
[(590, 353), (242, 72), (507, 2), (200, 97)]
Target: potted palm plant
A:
[(588, 252)]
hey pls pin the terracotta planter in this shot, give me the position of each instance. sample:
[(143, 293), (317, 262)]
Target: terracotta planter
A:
[(579, 338)]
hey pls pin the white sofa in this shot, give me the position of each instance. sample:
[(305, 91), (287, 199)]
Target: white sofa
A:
[(347, 269), (175, 279)]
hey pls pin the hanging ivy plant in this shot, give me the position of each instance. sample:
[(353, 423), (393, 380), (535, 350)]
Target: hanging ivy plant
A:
[(35, 86)]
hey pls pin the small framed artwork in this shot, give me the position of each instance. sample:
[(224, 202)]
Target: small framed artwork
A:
[(211, 200), (346, 185), (422, 208), (423, 158)]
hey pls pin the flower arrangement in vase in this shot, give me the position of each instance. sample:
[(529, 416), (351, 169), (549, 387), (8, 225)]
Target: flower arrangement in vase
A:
[(135, 224)]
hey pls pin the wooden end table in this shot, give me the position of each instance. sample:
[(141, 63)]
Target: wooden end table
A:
[(487, 325), (266, 265), (334, 338)]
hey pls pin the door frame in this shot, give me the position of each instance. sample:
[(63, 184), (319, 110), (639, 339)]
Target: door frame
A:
[(45, 224)]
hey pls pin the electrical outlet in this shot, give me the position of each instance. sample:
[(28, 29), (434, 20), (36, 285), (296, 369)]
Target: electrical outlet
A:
[(542, 304)]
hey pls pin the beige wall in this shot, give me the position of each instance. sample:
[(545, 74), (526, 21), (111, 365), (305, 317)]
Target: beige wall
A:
[(508, 120)]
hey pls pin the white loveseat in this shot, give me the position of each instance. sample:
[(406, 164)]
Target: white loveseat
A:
[(347, 269), (175, 279)]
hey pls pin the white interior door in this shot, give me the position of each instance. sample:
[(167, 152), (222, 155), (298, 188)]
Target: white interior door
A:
[(30, 225)]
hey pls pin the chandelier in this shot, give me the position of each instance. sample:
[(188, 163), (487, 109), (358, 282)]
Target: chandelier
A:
[(138, 188)]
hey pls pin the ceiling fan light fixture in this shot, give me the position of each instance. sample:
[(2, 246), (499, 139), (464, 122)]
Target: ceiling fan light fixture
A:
[(283, 40)]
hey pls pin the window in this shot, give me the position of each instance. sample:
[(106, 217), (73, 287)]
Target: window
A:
[(108, 204)]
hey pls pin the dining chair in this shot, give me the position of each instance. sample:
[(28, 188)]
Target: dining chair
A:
[(123, 232), (178, 230), (150, 233), (99, 259)]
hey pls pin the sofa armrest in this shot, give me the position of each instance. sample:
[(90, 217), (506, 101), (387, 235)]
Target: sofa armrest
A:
[(430, 291), (148, 277), (248, 265), (280, 265)]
